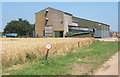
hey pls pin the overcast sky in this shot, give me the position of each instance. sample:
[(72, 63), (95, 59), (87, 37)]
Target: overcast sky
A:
[(105, 12)]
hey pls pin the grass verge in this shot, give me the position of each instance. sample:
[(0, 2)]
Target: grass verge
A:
[(93, 55)]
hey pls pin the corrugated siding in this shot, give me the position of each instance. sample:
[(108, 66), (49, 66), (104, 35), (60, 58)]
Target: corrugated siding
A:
[(48, 31), (101, 33)]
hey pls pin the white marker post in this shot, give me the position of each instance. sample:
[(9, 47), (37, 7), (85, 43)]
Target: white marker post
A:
[(48, 46)]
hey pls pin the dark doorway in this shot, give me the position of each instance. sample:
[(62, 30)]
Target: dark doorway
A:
[(61, 33), (58, 33)]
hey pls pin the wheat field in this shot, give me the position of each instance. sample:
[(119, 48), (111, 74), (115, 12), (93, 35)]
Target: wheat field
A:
[(16, 49)]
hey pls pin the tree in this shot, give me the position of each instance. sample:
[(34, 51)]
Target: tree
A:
[(21, 27), (31, 29)]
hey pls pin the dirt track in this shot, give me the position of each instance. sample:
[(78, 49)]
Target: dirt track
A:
[(108, 39), (111, 66)]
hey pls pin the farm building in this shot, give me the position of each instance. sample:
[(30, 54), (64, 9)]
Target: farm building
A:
[(51, 22)]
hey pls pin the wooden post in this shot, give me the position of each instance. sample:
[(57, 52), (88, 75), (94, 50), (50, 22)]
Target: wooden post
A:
[(46, 56), (78, 44), (48, 46)]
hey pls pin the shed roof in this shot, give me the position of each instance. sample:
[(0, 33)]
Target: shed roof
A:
[(90, 21)]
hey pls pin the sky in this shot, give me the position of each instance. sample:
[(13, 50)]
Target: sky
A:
[(105, 12)]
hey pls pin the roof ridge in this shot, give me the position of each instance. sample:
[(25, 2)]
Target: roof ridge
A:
[(55, 9)]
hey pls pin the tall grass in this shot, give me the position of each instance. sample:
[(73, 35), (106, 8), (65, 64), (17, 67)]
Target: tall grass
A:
[(21, 49), (93, 56), (0, 56)]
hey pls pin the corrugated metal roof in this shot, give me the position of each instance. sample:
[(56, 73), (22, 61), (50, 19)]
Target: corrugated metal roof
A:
[(91, 21)]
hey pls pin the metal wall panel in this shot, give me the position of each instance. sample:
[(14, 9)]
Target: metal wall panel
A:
[(48, 30), (101, 33), (80, 28), (49, 35)]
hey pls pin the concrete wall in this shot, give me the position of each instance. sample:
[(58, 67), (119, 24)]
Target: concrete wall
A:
[(55, 19), (67, 21)]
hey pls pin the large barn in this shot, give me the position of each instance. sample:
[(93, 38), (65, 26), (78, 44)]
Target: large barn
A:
[(51, 22)]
